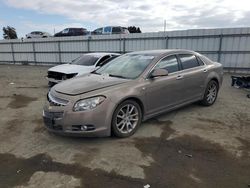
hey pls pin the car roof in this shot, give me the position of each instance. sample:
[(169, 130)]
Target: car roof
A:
[(101, 54), (74, 28), (112, 26), (162, 52)]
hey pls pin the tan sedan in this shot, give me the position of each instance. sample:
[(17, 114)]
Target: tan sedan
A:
[(130, 89)]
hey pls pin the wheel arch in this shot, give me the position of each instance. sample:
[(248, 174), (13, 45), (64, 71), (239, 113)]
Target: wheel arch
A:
[(216, 80), (215, 77), (134, 98)]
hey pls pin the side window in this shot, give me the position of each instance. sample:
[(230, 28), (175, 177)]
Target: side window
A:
[(107, 30), (116, 30), (188, 61), (82, 30), (102, 60), (169, 63)]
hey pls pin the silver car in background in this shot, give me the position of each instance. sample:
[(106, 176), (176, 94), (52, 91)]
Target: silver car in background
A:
[(130, 89), (38, 34)]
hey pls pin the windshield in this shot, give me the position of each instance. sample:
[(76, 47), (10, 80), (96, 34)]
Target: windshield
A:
[(126, 66), (86, 60)]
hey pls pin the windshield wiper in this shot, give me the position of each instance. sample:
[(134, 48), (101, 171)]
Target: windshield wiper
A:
[(118, 76)]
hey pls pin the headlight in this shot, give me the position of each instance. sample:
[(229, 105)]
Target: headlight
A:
[(87, 104)]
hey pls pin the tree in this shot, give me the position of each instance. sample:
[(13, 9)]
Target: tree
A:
[(9, 33), (133, 29), (138, 30)]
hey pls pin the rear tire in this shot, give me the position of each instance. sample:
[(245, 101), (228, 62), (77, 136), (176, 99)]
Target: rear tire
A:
[(211, 93), (126, 119)]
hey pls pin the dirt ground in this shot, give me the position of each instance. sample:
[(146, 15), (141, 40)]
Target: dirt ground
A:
[(191, 147)]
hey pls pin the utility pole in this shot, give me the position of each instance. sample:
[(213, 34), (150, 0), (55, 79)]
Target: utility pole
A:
[(165, 25)]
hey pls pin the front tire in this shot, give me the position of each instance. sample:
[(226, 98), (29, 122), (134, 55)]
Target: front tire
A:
[(126, 119), (211, 93)]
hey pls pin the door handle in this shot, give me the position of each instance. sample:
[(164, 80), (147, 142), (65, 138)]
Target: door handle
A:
[(179, 77), (205, 70)]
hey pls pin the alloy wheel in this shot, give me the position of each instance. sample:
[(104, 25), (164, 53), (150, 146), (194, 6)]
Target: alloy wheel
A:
[(211, 93), (127, 118)]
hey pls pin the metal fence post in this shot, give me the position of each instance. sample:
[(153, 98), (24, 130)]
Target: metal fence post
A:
[(12, 52), (88, 43), (166, 41), (124, 45), (220, 45), (120, 44), (34, 52), (59, 52)]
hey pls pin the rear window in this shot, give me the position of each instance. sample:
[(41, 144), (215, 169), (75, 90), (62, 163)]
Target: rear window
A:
[(188, 61), (205, 59), (116, 30), (85, 60), (98, 31), (125, 30), (200, 61)]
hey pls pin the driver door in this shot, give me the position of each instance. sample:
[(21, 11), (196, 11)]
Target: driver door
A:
[(164, 92)]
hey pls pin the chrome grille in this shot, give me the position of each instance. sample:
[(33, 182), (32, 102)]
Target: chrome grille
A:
[(54, 101), (60, 76), (55, 75)]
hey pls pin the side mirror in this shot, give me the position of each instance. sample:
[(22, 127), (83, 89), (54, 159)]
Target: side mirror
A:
[(158, 73)]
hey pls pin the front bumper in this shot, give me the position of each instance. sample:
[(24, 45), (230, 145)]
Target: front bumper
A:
[(92, 123)]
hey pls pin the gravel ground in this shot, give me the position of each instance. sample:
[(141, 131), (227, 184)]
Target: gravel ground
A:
[(192, 147)]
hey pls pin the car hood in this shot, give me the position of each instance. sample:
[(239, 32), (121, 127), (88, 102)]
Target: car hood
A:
[(87, 83), (70, 68)]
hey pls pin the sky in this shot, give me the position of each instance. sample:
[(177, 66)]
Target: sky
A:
[(54, 15)]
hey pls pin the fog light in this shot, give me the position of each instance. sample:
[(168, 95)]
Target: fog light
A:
[(83, 127)]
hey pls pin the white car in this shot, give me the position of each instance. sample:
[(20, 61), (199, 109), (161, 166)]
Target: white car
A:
[(80, 66), (38, 34)]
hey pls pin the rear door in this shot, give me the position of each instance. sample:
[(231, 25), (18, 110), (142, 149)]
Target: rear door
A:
[(192, 75)]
